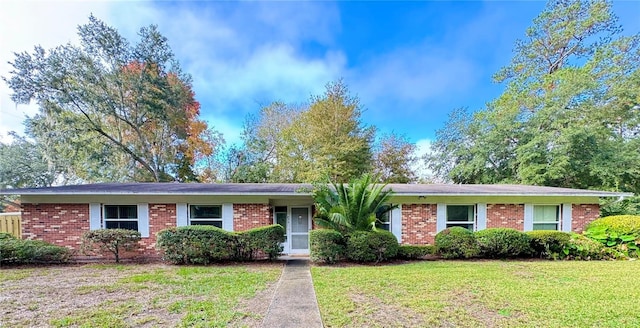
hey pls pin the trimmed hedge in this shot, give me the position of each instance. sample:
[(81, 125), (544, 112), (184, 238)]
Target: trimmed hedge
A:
[(110, 240), (371, 246), (414, 252), (549, 244), (621, 232), (500, 243), (457, 243), (208, 244), (326, 245), (18, 251)]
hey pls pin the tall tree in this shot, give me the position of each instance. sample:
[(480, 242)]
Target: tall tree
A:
[(569, 86), (394, 159), (329, 139), (127, 109)]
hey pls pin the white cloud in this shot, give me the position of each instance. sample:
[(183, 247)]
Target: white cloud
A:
[(25, 24)]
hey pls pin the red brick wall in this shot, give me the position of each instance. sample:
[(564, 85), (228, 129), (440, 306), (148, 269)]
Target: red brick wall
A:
[(505, 216), (249, 216), (582, 214), (161, 216), (60, 224), (418, 223)]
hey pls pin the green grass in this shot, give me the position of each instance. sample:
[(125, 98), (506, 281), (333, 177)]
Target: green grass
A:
[(201, 296), (481, 294)]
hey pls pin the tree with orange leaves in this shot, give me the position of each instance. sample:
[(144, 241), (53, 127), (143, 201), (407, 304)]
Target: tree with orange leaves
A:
[(112, 111)]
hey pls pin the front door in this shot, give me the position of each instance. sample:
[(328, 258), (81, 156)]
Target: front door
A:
[(297, 223)]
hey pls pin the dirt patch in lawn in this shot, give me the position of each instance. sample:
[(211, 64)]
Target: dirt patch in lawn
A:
[(379, 314), (47, 296)]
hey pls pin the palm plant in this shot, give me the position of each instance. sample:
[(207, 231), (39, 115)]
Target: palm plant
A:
[(351, 207)]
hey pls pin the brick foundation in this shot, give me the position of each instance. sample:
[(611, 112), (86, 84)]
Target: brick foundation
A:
[(249, 216), (418, 224), (505, 216), (582, 214)]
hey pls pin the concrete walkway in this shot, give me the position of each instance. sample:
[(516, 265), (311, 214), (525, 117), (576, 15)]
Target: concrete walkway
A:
[(294, 303)]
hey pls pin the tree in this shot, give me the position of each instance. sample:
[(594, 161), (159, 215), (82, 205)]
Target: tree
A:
[(566, 117), (394, 158), (351, 207), (329, 139), (126, 109)]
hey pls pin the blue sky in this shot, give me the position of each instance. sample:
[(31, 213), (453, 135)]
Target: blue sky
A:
[(410, 63)]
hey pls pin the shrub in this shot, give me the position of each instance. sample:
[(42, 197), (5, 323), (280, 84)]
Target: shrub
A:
[(196, 244), (326, 245), (371, 246), (548, 244), (456, 243), (17, 251), (266, 240), (110, 240), (413, 252), (583, 248), (6, 235), (620, 232), (499, 243)]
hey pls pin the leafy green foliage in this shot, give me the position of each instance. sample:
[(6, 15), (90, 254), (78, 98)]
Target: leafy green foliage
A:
[(350, 207), (207, 244), (456, 243), (621, 232), (413, 252), (262, 240), (113, 111), (567, 116), (581, 247), (628, 206), (113, 241), (18, 251), (371, 246), (6, 235), (326, 245), (549, 244), (394, 158), (499, 243)]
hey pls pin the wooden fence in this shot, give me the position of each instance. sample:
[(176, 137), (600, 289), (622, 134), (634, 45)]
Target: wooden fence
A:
[(11, 223)]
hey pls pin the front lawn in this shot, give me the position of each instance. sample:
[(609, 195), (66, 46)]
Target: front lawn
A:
[(481, 294), (136, 295)]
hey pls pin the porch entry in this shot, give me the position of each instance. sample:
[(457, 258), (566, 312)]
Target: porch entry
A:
[(296, 221)]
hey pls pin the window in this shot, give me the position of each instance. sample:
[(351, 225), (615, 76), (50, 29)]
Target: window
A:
[(546, 217), (461, 216), (121, 217), (383, 216), (206, 215)]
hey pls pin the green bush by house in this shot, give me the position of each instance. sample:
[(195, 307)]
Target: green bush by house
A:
[(549, 244), (457, 243), (500, 243), (621, 232), (414, 252), (326, 245), (17, 251), (113, 241), (208, 244), (371, 246)]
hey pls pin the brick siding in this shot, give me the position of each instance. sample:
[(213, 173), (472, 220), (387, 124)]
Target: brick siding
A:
[(60, 224), (505, 216), (249, 216), (582, 214), (418, 224), (161, 216)]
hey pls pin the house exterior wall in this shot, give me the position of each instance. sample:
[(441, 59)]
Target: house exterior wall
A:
[(60, 224), (583, 214), (249, 216), (161, 216), (505, 216), (418, 224)]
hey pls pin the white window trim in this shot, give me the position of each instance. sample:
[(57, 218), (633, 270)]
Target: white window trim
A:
[(558, 223), (190, 219), (104, 216), (182, 214), (473, 220), (396, 222)]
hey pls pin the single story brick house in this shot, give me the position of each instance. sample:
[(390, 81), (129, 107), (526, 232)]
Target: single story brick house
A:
[(61, 214)]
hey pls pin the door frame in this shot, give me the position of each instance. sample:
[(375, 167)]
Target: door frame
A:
[(286, 246)]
